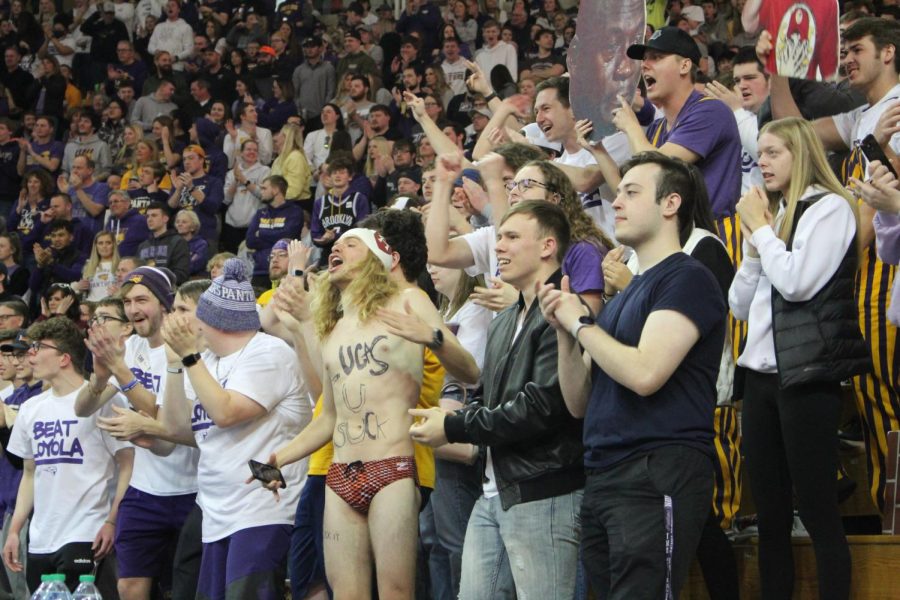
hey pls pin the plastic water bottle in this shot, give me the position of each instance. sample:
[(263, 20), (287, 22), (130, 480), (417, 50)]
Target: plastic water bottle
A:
[(86, 589), (56, 588), (42, 589)]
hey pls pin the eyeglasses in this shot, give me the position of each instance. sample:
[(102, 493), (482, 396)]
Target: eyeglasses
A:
[(104, 319), (524, 185), (15, 356), (431, 104), (5, 317), (278, 255), (36, 347)]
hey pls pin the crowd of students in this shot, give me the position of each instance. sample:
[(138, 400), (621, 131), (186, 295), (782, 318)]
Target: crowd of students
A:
[(348, 300)]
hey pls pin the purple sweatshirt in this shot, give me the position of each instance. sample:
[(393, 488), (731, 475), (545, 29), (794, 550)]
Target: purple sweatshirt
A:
[(887, 239)]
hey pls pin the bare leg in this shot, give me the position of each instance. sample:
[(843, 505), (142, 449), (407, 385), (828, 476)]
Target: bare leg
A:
[(348, 559), (393, 527), (135, 588), (318, 592)]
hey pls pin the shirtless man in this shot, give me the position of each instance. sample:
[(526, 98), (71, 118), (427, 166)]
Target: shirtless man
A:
[(371, 378)]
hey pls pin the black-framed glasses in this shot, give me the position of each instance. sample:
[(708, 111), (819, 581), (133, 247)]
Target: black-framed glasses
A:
[(16, 356), (104, 319), (523, 185), (36, 347)]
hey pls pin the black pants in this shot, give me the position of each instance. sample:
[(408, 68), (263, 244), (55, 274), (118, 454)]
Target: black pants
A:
[(791, 446), (231, 238), (72, 560), (641, 521), (717, 562), (188, 552)]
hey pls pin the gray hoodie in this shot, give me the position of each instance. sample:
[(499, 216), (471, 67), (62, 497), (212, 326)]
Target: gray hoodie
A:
[(92, 147), (148, 108)]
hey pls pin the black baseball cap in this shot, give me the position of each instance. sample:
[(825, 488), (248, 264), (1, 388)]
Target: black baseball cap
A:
[(19, 344), (669, 40), (313, 40)]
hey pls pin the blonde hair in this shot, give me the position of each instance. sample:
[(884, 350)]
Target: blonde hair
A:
[(90, 267), (194, 219), (809, 167), (370, 290)]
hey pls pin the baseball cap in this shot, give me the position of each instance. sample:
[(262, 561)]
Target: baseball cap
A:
[(669, 40), (19, 344), (109, 7), (312, 40), (354, 33), (694, 13), (485, 112), (267, 50)]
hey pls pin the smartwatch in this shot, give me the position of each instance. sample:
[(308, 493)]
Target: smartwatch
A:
[(437, 339), (191, 359), (581, 323)]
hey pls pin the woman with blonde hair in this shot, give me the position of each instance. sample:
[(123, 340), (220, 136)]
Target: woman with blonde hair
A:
[(146, 153), (124, 158), (292, 163), (187, 224), (795, 290), (99, 271)]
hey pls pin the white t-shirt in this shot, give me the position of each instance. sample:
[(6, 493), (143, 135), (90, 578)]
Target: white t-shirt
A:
[(74, 467), (482, 242), (855, 125), (266, 371), (598, 204), (455, 75), (171, 475), (101, 280)]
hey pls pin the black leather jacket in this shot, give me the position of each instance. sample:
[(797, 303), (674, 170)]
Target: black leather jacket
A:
[(536, 445)]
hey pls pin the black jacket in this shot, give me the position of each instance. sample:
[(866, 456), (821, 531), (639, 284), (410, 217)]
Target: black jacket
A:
[(536, 445), (820, 339)]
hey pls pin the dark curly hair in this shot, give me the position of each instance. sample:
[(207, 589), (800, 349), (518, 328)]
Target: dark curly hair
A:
[(404, 231)]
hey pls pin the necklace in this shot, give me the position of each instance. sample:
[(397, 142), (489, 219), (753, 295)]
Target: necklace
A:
[(236, 362)]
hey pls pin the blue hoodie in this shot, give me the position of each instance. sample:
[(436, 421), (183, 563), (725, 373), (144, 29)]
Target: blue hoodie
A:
[(208, 135), (130, 231), (269, 225)]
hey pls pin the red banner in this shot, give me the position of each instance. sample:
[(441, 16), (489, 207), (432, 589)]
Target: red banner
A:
[(805, 36)]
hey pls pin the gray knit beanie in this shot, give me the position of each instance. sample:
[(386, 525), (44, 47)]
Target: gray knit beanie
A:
[(229, 303)]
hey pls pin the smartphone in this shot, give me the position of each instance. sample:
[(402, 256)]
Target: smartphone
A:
[(266, 473), (873, 151)]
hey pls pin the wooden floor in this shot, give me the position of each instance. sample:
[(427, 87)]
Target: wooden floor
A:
[(876, 570)]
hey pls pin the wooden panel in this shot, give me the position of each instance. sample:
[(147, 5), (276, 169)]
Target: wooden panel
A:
[(876, 570)]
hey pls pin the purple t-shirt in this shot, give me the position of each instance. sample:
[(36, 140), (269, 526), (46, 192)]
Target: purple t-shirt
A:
[(99, 193), (51, 149), (707, 127), (583, 266)]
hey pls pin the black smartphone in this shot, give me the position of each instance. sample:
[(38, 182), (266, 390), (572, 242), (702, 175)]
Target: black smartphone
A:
[(266, 473), (873, 151)]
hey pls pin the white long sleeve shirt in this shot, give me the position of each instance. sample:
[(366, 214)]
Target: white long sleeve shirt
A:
[(232, 147), (175, 37), (243, 203), (823, 235), (501, 54), (748, 129)]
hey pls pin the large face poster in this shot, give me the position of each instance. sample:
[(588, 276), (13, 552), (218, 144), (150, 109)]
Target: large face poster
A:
[(599, 69), (805, 37)]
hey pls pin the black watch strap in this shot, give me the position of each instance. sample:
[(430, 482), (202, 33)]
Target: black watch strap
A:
[(191, 359), (490, 96)]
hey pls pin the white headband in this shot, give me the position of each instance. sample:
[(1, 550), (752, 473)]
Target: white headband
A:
[(374, 242)]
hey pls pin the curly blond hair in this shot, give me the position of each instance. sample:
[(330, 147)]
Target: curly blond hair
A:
[(370, 290)]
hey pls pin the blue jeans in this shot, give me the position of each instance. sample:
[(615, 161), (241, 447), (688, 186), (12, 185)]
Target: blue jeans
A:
[(527, 552), (456, 489)]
